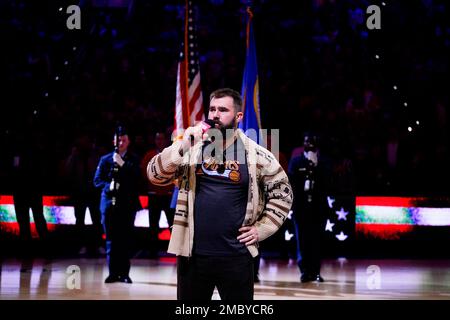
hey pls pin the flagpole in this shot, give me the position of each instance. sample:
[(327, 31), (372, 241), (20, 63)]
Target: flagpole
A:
[(186, 63)]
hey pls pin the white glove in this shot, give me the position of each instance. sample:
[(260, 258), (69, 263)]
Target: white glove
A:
[(118, 159), (311, 156)]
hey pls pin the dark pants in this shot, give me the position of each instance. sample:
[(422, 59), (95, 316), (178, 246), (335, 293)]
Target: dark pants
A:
[(199, 275), (82, 201), (309, 228), (118, 225), (156, 203), (256, 264), (22, 204)]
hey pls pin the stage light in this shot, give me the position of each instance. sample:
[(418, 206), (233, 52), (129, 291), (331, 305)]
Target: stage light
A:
[(405, 104), (395, 87), (409, 129), (417, 122)]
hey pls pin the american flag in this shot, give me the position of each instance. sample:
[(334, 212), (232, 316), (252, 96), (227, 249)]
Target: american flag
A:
[(189, 98)]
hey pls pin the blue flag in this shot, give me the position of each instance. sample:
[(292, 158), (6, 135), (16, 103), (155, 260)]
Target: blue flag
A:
[(250, 87)]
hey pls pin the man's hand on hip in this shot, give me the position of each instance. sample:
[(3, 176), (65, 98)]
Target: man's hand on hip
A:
[(249, 235)]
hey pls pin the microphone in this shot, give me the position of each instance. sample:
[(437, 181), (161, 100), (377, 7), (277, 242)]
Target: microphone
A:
[(207, 124)]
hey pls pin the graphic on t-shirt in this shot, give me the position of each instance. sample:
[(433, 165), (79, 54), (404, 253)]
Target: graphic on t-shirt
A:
[(211, 168)]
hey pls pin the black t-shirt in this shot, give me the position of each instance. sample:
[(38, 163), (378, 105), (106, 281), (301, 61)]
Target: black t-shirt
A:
[(220, 204)]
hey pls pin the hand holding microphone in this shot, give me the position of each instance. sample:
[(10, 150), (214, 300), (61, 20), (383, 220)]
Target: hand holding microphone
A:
[(197, 133)]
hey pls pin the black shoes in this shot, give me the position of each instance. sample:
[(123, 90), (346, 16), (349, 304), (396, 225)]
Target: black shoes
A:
[(126, 279), (311, 277), (112, 279)]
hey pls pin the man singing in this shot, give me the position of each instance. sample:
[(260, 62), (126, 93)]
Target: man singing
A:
[(233, 193)]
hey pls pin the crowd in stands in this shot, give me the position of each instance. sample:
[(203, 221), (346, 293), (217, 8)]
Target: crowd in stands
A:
[(320, 68)]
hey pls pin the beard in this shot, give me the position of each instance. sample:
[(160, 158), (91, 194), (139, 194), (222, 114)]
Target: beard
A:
[(227, 127)]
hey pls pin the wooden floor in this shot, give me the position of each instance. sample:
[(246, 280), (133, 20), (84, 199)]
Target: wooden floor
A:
[(156, 280)]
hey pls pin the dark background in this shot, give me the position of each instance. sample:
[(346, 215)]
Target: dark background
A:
[(317, 71)]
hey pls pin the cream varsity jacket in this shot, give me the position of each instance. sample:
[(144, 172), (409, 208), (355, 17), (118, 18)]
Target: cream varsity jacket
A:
[(269, 198)]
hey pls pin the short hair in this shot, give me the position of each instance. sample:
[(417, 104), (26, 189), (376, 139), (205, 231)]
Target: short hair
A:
[(227, 92)]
